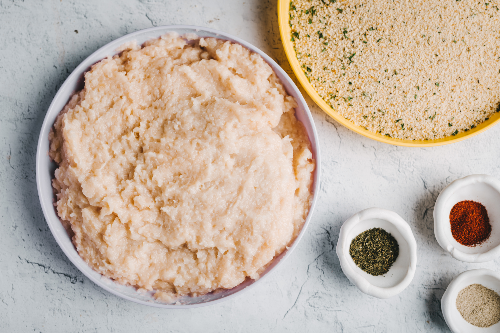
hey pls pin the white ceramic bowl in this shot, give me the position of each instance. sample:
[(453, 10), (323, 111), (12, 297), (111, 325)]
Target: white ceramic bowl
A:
[(480, 188), (402, 271), (45, 167), (453, 318)]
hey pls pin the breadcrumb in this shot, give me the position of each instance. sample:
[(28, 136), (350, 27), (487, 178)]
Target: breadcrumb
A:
[(417, 70)]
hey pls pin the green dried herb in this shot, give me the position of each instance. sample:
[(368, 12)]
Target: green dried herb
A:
[(344, 32), (374, 251), (350, 57)]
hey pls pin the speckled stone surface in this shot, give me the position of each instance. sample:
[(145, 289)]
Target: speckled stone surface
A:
[(41, 42)]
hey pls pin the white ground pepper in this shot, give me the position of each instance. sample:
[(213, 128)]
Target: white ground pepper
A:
[(479, 305)]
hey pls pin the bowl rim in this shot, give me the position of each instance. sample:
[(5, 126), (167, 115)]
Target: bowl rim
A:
[(284, 26), (82, 68), (441, 218), (448, 301), (404, 229)]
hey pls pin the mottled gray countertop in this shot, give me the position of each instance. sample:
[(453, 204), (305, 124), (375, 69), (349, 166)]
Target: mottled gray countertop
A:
[(41, 42)]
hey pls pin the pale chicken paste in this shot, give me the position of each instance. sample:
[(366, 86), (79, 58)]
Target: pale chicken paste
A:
[(182, 167)]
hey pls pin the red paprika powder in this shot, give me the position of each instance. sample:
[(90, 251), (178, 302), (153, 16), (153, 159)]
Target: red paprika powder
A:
[(470, 224)]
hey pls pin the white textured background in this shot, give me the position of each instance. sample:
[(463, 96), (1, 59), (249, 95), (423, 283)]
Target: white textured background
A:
[(41, 291)]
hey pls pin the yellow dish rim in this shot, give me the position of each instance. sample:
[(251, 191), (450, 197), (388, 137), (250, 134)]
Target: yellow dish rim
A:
[(284, 25)]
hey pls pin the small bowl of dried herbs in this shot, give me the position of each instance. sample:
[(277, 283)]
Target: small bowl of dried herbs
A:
[(377, 252), (471, 302), (467, 218)]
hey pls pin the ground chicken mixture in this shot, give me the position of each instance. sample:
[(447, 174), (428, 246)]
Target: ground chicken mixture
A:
[(182, 167)]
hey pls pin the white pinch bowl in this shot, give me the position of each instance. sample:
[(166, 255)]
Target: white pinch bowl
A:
[(480, 188), (453, 318), (45, 167), (402, 271)]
